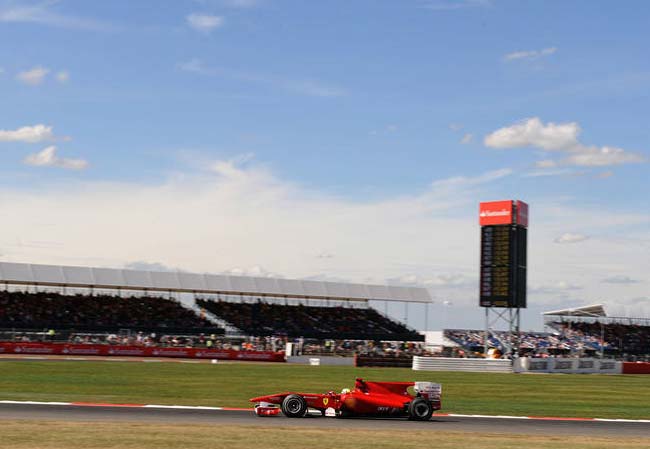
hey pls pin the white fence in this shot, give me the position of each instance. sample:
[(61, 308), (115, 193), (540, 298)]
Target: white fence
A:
[(322, 360), (454, 364), (566, 365)]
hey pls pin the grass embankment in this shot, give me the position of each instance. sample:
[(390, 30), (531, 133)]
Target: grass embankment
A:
[(64, 435), (231, 385)]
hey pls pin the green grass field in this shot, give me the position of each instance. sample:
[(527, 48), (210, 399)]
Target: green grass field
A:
[(232, 384)]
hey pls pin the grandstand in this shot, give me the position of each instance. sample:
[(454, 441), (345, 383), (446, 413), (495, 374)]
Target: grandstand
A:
[(111, 300), (590, 326), (320, 322), (584, 331), (50, 310)]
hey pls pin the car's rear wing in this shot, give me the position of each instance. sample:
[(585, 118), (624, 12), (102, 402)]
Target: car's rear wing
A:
[(429, 390)]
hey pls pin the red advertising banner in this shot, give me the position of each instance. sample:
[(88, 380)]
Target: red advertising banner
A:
[(495, 213), (138, 351)]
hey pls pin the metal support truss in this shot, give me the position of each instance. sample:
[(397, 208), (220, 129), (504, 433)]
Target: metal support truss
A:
[(511, 317)]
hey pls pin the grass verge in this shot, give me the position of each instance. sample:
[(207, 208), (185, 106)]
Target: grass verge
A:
[(231, 385), (64, 435)]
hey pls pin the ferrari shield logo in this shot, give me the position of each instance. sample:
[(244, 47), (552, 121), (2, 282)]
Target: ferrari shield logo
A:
[(325, 401)]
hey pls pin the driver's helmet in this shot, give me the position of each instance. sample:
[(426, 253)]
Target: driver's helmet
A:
[(345, 391)]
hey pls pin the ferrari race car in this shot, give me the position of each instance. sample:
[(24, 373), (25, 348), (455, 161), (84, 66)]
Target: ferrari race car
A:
[(385, 399)]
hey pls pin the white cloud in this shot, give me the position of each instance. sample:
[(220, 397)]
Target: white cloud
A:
[(241, 4), (63, 76), (569, 237), (438, 280), (553, 287), (194, 65), (28, 134), (620, 279), (467, 138), (42, 14), (251, 218), (298, 86), (529, 54), (465, 182), (546, 163), (48, 158), (149, 266), (33, 77), (546, 171), (455, 126), (603, 157), (533, 133), (204, 23), (256, 271), (2, 70), (559, 137)]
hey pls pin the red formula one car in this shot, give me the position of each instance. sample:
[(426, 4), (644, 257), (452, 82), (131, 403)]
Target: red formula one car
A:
[(385, 399)]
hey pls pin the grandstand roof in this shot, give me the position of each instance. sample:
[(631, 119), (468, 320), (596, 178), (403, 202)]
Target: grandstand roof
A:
[(110, 278), (594, 310)]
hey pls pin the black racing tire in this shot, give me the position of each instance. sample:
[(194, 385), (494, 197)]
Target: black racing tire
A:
[(420, 410), (294, 406)]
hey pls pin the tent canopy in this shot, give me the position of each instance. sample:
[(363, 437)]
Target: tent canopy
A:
[(594, 310)]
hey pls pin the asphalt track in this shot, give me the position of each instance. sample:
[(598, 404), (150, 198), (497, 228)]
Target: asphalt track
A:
[(246, 418)]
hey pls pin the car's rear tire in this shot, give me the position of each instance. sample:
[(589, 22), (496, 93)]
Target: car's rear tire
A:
[(420, 410), (294, 406)]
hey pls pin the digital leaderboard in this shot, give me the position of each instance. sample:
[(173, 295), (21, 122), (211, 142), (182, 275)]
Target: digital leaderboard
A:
[(504, 238)]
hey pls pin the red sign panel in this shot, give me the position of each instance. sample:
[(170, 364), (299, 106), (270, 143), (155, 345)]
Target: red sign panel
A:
[(522, 213), (495, 213)]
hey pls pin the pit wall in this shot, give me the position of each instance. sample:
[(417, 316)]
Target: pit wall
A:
[(138, 351), (567, 365)]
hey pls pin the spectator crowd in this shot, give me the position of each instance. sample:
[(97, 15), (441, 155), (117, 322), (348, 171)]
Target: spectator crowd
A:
[(567, 338), (21, 310), (260, 318)]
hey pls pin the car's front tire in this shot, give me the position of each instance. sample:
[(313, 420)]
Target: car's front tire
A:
[(294, 406), (420, 410)]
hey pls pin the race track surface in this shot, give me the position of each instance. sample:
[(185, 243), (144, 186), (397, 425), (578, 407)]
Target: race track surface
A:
[(247, 418)]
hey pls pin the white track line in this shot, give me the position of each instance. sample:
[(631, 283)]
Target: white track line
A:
[(183, 407), (35, 403)]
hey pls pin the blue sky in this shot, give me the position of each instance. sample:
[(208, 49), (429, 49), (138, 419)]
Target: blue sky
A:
[(392, 119)]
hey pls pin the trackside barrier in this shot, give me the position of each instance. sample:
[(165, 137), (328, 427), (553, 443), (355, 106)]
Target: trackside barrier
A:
[(323, 360), (636, 368), (388, 361), (454, 364), (138, 351), (567, 365)]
